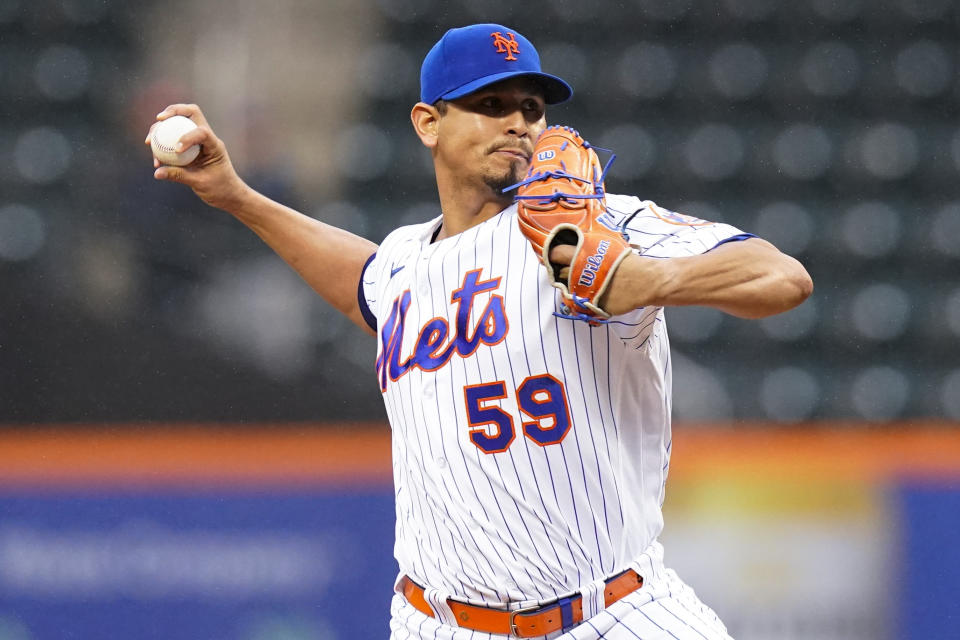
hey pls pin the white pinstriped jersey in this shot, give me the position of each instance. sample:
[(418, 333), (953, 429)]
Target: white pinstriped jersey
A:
[(530, 452)]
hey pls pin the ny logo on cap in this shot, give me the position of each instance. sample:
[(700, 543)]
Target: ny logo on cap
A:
[(508, 45)]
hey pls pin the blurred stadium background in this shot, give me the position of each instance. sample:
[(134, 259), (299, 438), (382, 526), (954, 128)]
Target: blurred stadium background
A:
[(128, 308)]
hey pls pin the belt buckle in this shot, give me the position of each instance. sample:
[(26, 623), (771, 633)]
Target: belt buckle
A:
[(514, 630)]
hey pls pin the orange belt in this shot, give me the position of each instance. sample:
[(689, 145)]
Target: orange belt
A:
[(524, 623)]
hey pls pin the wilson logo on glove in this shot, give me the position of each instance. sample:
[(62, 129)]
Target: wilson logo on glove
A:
[(561, 201), (593, 264)]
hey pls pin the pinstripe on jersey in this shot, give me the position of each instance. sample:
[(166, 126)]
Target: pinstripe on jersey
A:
[(530, 452)]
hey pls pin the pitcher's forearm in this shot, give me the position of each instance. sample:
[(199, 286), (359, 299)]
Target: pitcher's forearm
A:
[(748, 279)]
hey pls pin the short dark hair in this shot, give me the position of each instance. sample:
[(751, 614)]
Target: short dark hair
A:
[(441, 106)]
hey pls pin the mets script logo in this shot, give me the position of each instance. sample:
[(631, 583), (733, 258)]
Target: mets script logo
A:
[(435, 345), (506, 45)]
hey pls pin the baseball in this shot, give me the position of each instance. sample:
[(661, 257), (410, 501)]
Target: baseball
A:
[(164, 140)]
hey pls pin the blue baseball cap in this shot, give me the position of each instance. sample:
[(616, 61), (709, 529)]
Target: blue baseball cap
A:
[(470, 58)]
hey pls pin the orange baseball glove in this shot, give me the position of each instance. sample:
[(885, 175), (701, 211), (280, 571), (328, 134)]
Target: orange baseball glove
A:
[(561, 201)]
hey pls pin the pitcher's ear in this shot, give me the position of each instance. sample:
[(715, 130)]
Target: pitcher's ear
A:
[(426, 123)]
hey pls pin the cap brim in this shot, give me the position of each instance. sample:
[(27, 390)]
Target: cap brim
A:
[(555, 90)]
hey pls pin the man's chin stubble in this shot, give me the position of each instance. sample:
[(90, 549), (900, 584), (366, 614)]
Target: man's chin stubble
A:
[(498, 183)]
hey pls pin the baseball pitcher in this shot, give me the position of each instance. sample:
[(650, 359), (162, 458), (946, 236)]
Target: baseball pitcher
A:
[(522, 355)]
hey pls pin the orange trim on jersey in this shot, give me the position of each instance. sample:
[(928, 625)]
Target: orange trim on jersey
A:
[(535, 423), (489, 320), (457, 299), (435, 342), (478, 427)]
